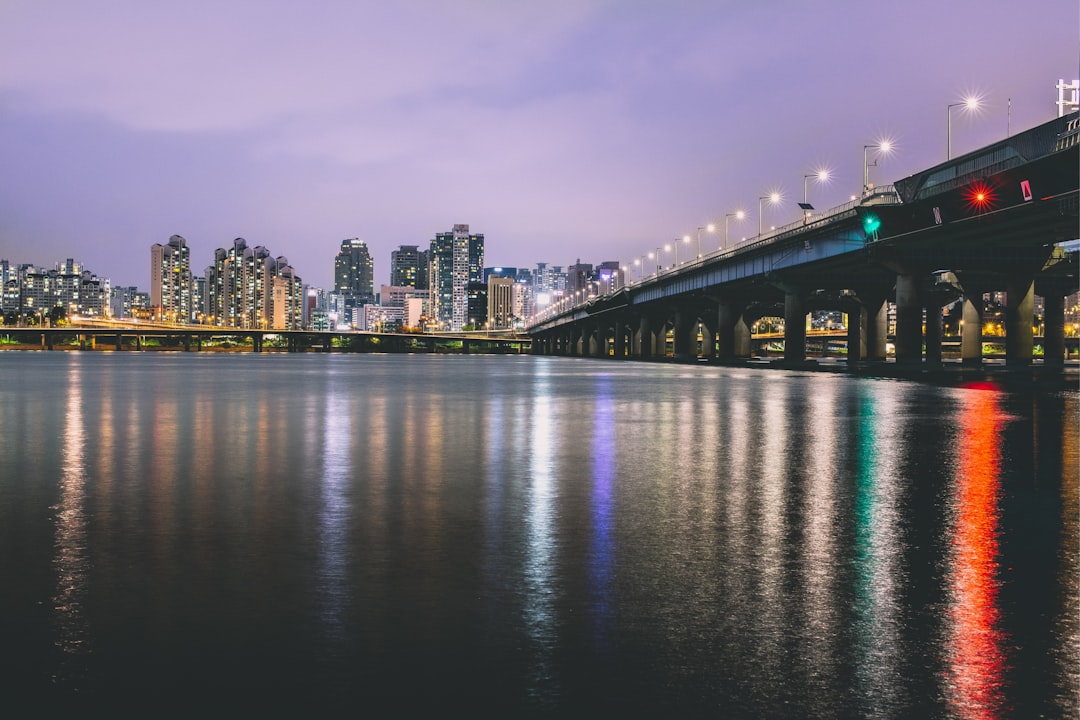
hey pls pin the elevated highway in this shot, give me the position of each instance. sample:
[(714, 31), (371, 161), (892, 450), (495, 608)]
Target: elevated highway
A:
[(991, 220)]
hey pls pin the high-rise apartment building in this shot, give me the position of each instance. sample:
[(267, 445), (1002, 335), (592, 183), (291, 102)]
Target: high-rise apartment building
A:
[(456, 261), (354, 271), (68, 290), (404, 266), (170, 280), (500, 299), (248, 288)]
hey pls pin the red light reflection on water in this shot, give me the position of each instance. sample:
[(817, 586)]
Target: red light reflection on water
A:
[(976, 660)]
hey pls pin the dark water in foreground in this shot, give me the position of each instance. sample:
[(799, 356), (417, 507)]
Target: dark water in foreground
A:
[(393, 535)]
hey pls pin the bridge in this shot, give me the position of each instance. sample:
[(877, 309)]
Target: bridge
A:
[(995, 219), (124, 336)]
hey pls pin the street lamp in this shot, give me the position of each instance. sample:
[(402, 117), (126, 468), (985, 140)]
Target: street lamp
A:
[(883, 147), (641, 269), (657, 256), (710, 227), (738, 215), (773, 198), (970, 103), (822, 176)]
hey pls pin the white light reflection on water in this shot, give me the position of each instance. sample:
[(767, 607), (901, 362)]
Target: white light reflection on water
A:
[(878, 550), (770, 498), (71, 562), (539, 600), (821, 555), (336, 426)]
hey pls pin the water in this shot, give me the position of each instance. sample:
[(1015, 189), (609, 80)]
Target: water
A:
[(502, 535)]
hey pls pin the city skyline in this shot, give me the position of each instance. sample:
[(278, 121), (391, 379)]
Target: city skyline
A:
[(593, 130)]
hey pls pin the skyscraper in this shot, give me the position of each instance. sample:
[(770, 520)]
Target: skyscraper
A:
[(354, 271), (404, 266), (170, 280), (456, 260)]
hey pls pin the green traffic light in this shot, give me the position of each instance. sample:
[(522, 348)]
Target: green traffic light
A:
[(871, 223)]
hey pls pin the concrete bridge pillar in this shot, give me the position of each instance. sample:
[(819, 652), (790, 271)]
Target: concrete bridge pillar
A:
[(187, 342), (646, 342), (708, 340), (1019, 319), (620, 340), (660, 340), (1053, 326), (933, 334), (909, 318), (599, 347), (876, 327), (684, 336), (794, 327), (732, 332), (119, 341), (971, 351)]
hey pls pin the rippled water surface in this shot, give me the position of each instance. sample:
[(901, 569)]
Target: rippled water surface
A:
[(503, 534)]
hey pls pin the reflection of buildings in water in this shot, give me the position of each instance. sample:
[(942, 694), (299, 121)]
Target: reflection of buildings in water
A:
[(975, 655), (821, 558), (539, 583), (335, 424), (71, 561)]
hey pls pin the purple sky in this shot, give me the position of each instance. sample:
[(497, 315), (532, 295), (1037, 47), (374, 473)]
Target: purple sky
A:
[(561, 130)]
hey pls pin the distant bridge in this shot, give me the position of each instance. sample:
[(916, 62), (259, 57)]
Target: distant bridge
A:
[(194, 338), (991, 220)]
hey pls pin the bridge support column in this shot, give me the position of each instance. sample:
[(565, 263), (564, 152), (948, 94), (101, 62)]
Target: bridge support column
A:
[(683, 336), (877, 328), (732, 332), (620, 339), (909, 318), (1053, 326), (933, 334), (660, 341), (645, 342), (971, 350), (138, 343), (187, 342), (1019, 320), (708, 341), (119, 341), (794, 327)]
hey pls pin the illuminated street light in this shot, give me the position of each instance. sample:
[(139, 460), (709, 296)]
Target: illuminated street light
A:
[(822, 177), (738, 215), (969, 104), (884, 147), (773, 198), (710, 227)]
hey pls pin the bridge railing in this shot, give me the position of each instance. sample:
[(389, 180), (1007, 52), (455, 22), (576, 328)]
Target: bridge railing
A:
[(881, 195)]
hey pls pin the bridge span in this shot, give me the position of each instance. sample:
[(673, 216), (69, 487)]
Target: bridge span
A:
[(995, 219)]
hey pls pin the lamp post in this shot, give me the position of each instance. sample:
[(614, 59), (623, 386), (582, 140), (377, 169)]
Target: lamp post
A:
[(969, 103), (883, 147), (773, 197), (641, 268), (710, 227), (821, 176), (657, 256), (738, 215)]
